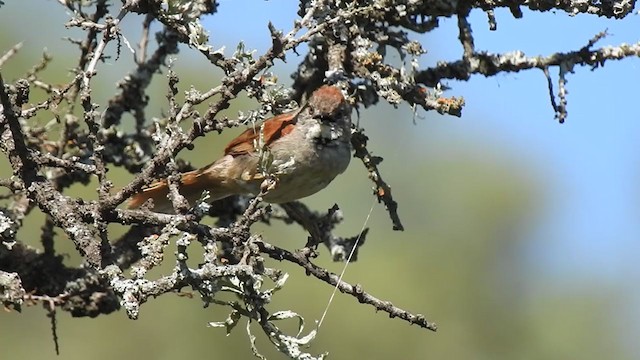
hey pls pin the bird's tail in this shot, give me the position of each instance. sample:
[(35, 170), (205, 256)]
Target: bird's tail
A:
[(192, 184)]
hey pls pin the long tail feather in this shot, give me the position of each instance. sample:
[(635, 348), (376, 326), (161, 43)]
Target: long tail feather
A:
[(192, 184)]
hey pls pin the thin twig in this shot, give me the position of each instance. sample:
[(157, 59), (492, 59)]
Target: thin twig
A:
[(382, 191), (10, 53), (489, 64), (301, 258)]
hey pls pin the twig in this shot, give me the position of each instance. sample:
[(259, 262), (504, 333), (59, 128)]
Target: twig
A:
[(51, 314), (465, 34), (144, 39), (97, 54), (552, 96), (301, 258), (10, 53), (488, 64), (382, 191), (561, 112), (73, 164), (491, 18)]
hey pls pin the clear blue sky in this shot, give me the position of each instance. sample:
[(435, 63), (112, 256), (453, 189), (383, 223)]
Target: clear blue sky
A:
[(589, 165)]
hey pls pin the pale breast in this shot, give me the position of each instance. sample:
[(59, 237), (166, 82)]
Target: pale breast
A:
[(308, 159)]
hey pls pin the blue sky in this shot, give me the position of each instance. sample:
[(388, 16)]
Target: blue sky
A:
[(591, 161)]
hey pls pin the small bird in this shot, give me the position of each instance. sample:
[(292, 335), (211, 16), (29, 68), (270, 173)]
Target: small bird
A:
[(307, 148)]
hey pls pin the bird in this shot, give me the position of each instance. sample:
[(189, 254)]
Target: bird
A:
[(305, 148)]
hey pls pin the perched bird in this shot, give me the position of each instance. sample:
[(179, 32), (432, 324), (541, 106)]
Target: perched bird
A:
[(306, 149)]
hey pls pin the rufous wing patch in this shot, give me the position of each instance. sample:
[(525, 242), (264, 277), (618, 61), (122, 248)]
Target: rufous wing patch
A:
[(273, 129)]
